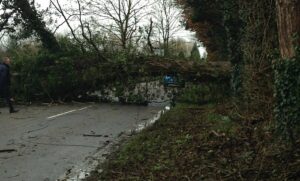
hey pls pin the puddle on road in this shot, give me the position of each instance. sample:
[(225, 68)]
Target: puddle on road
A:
[(150, 122), (83, 171)]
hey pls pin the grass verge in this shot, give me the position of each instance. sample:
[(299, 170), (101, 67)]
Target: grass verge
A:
[(202, 143)]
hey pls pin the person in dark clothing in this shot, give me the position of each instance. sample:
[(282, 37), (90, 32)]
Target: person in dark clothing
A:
[(5, 83)]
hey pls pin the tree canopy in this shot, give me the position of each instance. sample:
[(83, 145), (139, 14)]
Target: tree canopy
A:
[(22, 16)]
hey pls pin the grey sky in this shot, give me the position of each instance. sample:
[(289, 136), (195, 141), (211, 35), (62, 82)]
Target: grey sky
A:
[(185, 34), (182, 33)]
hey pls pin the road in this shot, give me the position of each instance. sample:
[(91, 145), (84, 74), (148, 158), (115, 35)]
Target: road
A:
[(48, 141)]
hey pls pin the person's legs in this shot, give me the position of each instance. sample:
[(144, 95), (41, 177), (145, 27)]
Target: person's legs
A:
[(6, 95), (1, 95), (9, 103)]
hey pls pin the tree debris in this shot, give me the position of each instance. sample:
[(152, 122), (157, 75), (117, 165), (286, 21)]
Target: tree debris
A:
[(8, 150)]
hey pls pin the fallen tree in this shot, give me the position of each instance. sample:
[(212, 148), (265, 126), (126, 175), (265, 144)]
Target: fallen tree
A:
[(202, 72)]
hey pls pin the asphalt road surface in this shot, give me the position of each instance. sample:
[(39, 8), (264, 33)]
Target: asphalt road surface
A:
[(42, 143)]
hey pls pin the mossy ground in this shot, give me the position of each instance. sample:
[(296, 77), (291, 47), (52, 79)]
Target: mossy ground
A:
[(203, 143)]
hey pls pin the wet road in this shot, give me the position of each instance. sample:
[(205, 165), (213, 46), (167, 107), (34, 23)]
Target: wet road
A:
[(48, 141)]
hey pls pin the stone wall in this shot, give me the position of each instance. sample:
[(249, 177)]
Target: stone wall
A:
[(153, 92)]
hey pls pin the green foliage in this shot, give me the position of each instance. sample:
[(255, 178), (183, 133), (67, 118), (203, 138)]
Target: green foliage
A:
[(287, 94), (45, 76), (23, 12), (181, 55), (224, 32), (222, 124), (41, 75), (136, 99), (259, 43), (195, 54), (211, 12), (236, 80), (156, 150), (245, 33), (69, 46), (203, 93)]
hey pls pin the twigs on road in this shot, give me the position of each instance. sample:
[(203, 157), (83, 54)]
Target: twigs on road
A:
[(8, 150)]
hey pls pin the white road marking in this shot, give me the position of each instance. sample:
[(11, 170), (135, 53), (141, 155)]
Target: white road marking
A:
[(84, 108), (68, 112)]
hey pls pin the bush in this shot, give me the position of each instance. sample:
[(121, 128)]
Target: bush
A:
[(204, 93), (287, 94), (45, 76)]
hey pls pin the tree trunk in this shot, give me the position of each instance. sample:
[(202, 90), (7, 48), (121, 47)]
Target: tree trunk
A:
[(287, 73), (233, 25), (288, 22), (34, 22), (149, 33)]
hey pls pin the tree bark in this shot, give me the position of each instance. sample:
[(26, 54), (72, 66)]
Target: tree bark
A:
[(288, 22), (149, 33)]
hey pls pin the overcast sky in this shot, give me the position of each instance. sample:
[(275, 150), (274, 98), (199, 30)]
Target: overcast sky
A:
[(182, 33)]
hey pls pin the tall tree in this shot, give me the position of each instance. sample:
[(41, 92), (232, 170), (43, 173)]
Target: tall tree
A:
[(167, 17), (206, 18), (288, 21), (23, 12), (56, 4), (88, 36), (121, 17), (287, 70), (33, 21), (233, 25), (149, 32)]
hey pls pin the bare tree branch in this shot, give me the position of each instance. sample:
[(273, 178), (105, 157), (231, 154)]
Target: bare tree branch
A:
[(5, 17), (123, 14), (58, 7), (64, 22), (88, 39), (149, 33), (166, 21)]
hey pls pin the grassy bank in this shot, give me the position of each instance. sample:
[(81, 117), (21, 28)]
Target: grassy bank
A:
[(203, 143)]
